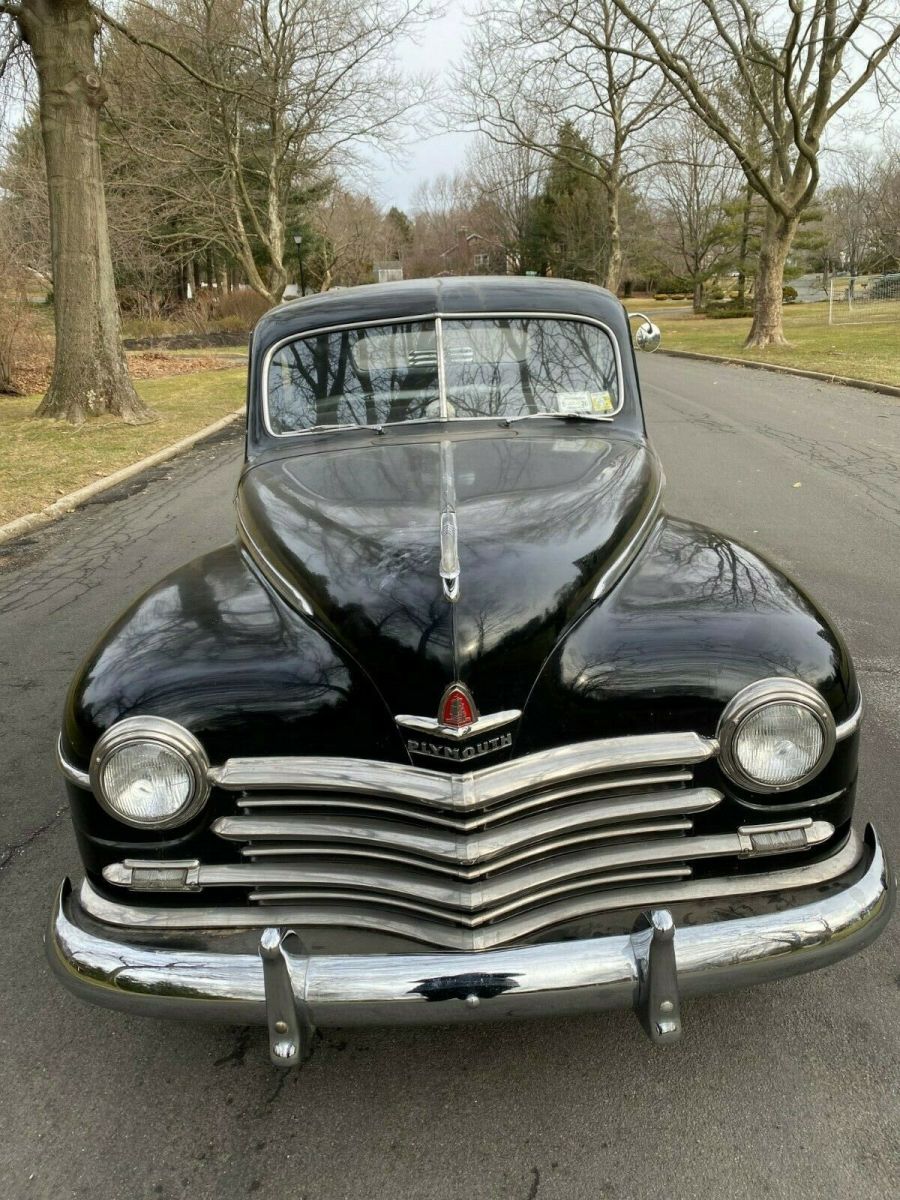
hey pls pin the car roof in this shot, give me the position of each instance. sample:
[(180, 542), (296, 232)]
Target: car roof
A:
[(446, 295)]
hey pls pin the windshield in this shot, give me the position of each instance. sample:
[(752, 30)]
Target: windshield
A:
[(505, 367)]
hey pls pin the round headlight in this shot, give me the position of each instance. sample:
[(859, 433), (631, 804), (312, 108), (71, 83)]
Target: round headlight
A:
[(775, 734), (150, 772)]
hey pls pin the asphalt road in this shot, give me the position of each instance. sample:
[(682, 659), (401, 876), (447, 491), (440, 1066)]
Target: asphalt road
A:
[(787, 1090)]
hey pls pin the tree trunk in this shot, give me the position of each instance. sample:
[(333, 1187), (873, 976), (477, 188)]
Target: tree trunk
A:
[(90, 375), (767, 328), (698, 296), (744, 246), (614, 230)]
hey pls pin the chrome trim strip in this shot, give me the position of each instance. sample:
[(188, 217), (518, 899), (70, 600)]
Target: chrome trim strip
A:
[(273, 577), (490, 889), (606, 817), (220, 978), (441, 366), (632, 548), (74, 774), (852, 723), (449, 568), (474, 789), (436, 317)]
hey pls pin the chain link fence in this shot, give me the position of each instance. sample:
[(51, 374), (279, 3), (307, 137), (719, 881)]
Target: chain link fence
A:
[(855, 301)]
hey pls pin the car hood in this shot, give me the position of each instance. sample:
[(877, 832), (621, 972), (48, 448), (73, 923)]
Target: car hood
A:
[(352, 537)]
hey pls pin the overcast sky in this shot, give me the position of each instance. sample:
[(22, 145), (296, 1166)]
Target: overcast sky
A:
[(441, 44)]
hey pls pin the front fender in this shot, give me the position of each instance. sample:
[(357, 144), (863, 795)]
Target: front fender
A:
[(697, 617), (213, 648)]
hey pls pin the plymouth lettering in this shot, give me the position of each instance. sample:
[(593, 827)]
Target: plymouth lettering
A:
[(460, 753)]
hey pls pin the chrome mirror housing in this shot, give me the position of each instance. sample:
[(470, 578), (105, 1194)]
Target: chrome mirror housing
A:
[(648, 335)]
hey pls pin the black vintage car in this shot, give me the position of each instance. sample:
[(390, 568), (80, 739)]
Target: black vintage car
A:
[(463, 725)]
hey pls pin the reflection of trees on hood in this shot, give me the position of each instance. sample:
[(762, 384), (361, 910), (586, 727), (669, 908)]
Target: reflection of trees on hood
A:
[(359, 532)]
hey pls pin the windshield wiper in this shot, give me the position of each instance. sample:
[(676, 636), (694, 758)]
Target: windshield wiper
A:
[(332, 428), (559, 416)]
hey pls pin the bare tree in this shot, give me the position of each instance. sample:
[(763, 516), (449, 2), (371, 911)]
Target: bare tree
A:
[(351, 236), (505, 182), (849, 204), (885, 217), (282, 96), (693, 188), (442, 208), (529, 70), (797, 64)]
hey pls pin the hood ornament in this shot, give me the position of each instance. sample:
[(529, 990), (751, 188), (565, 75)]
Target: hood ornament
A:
[(450, 555), (457, 722), (449, 569)]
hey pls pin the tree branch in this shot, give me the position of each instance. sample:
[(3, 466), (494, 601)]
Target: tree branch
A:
[(152, 44)]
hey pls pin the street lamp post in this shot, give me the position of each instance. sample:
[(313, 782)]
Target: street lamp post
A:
[(298, 242)]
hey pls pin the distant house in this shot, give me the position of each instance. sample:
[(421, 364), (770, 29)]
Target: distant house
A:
[(388, 272), (474, 254)]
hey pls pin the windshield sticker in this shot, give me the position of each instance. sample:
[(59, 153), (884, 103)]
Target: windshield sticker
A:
[(584, 402)]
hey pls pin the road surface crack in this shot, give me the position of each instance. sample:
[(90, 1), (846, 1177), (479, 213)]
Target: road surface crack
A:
[(12, 848)]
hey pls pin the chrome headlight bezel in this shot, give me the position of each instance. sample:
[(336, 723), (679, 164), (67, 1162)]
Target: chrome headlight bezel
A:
[(761, 695), (162, 732)]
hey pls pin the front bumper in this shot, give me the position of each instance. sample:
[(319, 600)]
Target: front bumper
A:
[(278, 984)]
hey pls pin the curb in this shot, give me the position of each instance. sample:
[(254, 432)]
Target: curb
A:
[(62, 506), (865, 385)]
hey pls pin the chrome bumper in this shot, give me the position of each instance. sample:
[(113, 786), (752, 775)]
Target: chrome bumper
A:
[(649, 970)]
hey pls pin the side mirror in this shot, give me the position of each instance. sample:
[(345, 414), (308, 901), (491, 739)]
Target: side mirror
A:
[(648, 336)]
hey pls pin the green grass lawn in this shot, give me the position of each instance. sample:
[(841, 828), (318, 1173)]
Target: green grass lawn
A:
[(42, 460), (866, 351)]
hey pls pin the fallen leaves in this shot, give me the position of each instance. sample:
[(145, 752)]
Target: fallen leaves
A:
[(32, 371)]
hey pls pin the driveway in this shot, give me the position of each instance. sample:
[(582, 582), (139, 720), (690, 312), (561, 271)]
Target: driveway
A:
[(787, 1090)]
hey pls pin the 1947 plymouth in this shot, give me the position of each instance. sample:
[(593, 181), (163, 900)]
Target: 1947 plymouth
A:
[(463, 725)]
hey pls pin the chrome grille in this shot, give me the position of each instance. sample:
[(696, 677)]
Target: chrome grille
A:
[(472, 860), (466, 849)]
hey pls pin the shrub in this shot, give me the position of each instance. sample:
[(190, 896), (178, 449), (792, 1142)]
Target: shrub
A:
[(23, 342), (242, 303), (234, 323), (726, 309), (661, 296), (670, 284), (143, 327), (789, 294)]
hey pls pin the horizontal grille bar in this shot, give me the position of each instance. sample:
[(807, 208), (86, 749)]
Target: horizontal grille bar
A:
[(455, 867), (466, 821), (475, 890), (477, 789), (607, 817), (730, 892), (463, 919)]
